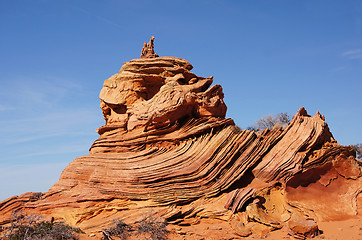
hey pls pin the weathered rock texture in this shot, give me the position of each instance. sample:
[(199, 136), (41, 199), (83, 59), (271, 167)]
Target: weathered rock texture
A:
[(167, 148), (148, 49)]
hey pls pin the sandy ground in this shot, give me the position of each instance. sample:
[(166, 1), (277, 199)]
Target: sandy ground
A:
[(339, 230)]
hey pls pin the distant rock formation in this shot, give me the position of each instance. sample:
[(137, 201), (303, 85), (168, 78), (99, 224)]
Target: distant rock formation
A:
[(148, 49), (167, 148)]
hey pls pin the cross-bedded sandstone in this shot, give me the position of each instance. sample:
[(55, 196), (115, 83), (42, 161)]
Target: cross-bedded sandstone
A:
[(167, 147)]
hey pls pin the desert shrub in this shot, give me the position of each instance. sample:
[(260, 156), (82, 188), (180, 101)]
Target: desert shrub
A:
[(36, 196), (271, 121), (118, 229), (152, 227), (358, 149), (26, 227), (237, 129)]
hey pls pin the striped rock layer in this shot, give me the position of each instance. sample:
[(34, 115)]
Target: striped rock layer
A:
[(167, 148)]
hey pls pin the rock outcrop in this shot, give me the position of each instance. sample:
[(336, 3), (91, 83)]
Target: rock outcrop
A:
[(167, 148), (148, 49)]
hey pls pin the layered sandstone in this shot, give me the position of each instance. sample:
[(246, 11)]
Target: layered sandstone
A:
[(167, 148)]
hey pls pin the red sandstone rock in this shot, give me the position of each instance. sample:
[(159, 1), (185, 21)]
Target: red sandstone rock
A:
[(167, 148), (148, 49)]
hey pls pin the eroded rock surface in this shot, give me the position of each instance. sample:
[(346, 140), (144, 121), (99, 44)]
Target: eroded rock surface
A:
[(167, 148), (158, 92)]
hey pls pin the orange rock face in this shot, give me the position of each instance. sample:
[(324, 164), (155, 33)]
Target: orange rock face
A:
[(167, 148), (157, 93)]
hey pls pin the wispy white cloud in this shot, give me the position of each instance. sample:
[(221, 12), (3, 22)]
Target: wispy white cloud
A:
[(65, 123), (18, 179), (41, 92), (43, 135), (353, 54), (20, 169), (45, 119), (62, 149), (5, 108)]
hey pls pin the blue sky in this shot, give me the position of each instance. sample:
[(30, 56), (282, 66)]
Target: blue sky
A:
[(269, 56)]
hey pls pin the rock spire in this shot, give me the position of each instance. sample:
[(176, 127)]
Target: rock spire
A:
[(148, 49)]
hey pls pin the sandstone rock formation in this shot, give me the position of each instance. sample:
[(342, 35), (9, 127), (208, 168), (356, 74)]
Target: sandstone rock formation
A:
[(167, 148), (148, 49)]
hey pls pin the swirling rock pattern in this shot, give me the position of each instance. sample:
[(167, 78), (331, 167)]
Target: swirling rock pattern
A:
[(157, 92), (167, 147)]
